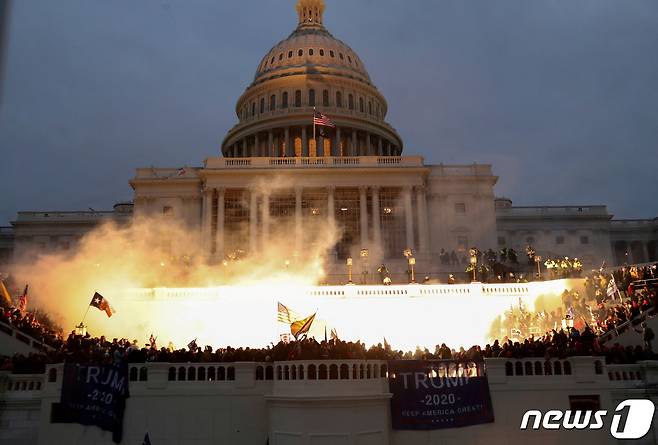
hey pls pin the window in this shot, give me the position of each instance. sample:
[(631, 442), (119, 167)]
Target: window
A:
[(339, 99), (585, 402), (559, 240), (272, 60), (350, 100), (300, 53), (253, 108), (502, 241), (311, 98), (289, 54), (341, 56), (584, 240), (298, 98), (284, 100), (349, 59), (460, 208), (325, 98), (262, 105), (273, 102), (310, 52), (462, 243), (168, 211), (361, 106), (281, 56), (322, 52), (331, 53), (369, 107)]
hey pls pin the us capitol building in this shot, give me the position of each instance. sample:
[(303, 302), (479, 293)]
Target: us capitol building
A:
[(278, 176)]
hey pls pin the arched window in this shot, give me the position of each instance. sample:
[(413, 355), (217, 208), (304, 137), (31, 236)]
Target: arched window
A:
[(322, 52), (311, 372), (269, 373), (52, 375), (298, 98), (143, 374), (350, 102), (331, 53), (361, 106), (262, 105), (310, 52), (538, 368), (211, 373), (509, 368), (133, 374), (322, 375), (325, 98), (172, 374), (281, 56), (548, 369), (301, 52), (289, 54), (221, 373), (369, 107), (273, 102), (311, 98), (230, 373), (301, 372), (341, 56), (181, 374), (253, 108), (518, 368), (528, 368), (349, 59), (344, 372), (567, 368), (383, 371), (339, 99), (201, 374), (598, 367), (284, 100), (259, 373), (333, 372), (191, 373), (557, 368)]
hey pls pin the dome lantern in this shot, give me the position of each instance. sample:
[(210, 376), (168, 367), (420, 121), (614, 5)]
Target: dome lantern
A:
[(310, 12)]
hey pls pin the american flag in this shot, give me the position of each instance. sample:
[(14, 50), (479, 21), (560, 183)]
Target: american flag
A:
[(322, 120)]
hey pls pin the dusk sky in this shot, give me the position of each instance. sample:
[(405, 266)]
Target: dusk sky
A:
[(560, 96)]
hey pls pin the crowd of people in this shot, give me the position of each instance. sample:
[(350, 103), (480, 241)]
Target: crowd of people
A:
[(610, 299)]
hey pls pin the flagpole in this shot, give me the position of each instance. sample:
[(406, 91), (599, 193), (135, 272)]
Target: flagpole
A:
[(85, 315), (316, 148)]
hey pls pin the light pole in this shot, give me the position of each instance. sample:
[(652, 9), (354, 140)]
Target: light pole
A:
[(349, 270), (412, 263), (538, 261), (474, 262), (364, 259)]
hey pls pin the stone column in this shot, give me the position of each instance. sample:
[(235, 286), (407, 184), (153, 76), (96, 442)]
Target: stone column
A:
[(304, 142), (423, 223), (253, 217), (409, 217), (355, 141), (368, 145), (298, 219), (331, 205), (266, 219), (208, 196), (380, 147), (335, 149), (363, 203), (319, 146), (290, 151), (256, 146), (376, 221), (270, 144), (219, 240), (243, 154)]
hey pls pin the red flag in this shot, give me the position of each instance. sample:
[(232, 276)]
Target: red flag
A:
[(22, 301)]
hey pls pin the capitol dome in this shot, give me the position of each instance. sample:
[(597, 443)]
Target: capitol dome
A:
[(311, 71)]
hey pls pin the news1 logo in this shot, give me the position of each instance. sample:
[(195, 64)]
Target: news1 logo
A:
[(631, 419)]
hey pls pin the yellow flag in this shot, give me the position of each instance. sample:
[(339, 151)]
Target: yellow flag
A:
[(300, 327), (5, 293)]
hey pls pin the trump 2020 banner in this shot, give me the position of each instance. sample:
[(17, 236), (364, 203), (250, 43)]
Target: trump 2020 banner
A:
[(438, 394), (95, 395)]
